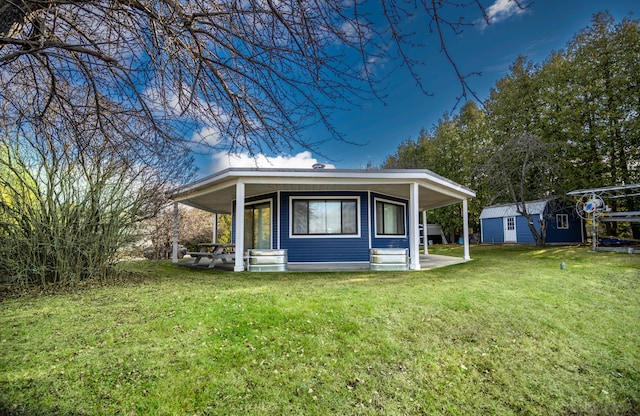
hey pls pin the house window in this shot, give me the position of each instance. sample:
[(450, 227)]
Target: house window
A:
[(324, 217), (562, 221), (390, 218)]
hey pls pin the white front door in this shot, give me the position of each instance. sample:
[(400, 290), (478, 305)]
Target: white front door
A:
[(510, 230)]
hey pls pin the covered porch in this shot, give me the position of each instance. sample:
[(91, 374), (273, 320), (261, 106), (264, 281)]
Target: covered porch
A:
[(327, 219)]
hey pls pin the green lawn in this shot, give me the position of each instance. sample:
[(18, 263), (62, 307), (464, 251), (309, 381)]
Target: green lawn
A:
[(508, 333)]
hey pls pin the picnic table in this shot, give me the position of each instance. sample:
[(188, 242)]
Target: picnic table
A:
[(214, 251)]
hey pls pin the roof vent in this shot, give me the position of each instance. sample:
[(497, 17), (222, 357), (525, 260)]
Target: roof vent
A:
[(318, 166)]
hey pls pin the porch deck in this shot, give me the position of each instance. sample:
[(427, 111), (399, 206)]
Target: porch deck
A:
[(427, 262)]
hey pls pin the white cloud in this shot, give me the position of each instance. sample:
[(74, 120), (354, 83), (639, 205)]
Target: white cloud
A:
[(304, 160), (501, 10), (207, 135)]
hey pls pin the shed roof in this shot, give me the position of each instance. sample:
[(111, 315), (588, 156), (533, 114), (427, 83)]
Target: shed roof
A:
[(511, 210), (215, 193)]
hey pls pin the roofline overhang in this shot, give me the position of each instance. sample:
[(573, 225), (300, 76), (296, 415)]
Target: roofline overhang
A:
[(231, 176)]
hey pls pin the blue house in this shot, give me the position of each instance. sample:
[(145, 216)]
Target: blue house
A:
[(325, 216), (503, 224)]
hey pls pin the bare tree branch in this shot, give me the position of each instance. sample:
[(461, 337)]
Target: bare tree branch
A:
[(257, 71)]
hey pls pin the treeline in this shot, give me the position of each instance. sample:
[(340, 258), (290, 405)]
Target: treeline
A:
[(568, 123)]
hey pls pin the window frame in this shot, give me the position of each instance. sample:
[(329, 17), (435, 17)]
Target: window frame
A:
[(375, 217), (564, 223), (332, 198), (251, 204)]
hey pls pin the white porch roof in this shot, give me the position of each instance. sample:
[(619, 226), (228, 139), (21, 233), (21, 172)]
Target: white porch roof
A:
[(215, 193)]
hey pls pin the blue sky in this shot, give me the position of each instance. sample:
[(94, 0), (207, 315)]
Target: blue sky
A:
[(379, 127)]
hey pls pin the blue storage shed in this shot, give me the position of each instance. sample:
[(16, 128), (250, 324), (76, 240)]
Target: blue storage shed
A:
[(503, 223)]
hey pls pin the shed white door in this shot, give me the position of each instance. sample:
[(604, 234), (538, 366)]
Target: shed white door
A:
[(510, 230)]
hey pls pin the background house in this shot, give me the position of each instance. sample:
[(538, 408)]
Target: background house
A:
[(503, 224)]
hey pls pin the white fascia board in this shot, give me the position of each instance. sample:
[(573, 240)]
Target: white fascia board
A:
[(345, 177), (447, 184), (231, 176), (193, 192), (199, 184), (200, 207), (458, 193)]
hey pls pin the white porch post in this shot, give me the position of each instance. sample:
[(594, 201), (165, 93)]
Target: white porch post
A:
[(414, 232), (424, 230), (239, 265), (465, 227), (174, 255)]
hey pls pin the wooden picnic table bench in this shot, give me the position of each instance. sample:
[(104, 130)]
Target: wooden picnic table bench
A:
[(214, 251)]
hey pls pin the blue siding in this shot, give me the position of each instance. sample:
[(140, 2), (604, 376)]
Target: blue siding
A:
[(325, 249), (328, 249), (492, 230), (523, 234), (573, 234)]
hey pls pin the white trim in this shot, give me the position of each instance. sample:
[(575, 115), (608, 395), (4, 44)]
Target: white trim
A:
[(331, 197), (512, 236), (370, 219), (375, 218), (231, 176), (279, 221)]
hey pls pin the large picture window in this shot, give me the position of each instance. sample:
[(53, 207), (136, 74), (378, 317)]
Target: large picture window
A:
[(390, 218), (325, 217)]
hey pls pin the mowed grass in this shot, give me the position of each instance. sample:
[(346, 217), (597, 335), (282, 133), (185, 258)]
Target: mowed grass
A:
[(507, 333)]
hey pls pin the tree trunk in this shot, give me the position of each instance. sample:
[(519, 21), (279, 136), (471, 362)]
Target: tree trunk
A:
[(539, 237)]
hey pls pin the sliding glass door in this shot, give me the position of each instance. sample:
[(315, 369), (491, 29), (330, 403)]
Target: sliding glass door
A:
[(257, 225)]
